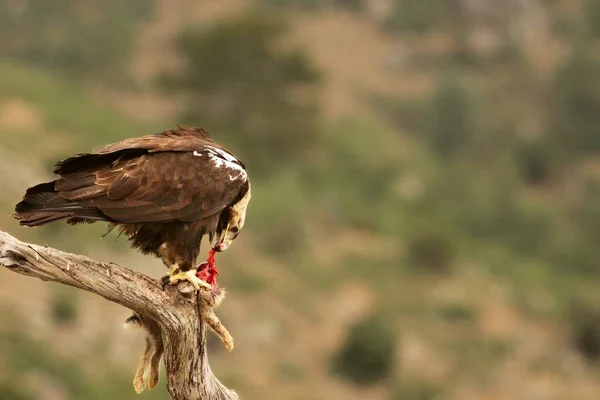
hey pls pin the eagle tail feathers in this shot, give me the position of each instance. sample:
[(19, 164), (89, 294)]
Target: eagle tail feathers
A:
[(38, 218), (42, 204)]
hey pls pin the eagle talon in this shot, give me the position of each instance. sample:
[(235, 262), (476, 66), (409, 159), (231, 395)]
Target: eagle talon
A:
[(164, 281), (189, 276)]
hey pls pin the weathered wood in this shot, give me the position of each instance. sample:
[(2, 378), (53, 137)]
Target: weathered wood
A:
[(178, 313)]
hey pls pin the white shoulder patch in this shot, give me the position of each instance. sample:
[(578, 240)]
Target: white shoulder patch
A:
[(222, 159)]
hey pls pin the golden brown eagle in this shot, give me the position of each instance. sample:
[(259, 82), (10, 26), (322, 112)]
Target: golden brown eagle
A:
[(163, 191)]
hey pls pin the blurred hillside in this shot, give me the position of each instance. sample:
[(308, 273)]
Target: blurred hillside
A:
[(425, 190)]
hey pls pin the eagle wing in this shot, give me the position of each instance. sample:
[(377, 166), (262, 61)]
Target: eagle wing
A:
[(155, 186), (182, 138)]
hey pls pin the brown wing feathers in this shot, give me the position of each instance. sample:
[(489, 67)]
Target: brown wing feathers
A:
[(182, 138), (154, 178), (122, 186)]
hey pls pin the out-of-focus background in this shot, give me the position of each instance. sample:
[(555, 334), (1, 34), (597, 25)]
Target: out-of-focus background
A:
[(426, 201)]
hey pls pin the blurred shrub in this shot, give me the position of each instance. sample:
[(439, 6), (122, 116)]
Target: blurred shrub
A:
[(284, 238), (9, 391), (25, 357), (353, 173), (451, 119), (79, 39), (68, 113), (352, 5), (485, 206), (415, 16), (306, 4), (290, 371), (526, 228), (535, 161), (406, 114), (586, 338), (587, 211), (591, 16), (63, 307), (246, 280), (430, 252), (582, 250), (253, 93), (368, 355), (457, 312), (279, 214), (574, 104), (585, 329), (415, 390)]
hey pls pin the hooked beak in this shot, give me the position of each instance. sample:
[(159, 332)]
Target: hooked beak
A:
[(222, 245)]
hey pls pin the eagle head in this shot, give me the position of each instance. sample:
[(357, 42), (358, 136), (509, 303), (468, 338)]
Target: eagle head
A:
[(229, 234), (233, 222)]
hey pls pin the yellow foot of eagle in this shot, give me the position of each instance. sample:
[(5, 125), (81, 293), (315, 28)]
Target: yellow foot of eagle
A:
[(176, 276)]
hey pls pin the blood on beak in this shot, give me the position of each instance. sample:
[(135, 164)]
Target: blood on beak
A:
[(221, 246)]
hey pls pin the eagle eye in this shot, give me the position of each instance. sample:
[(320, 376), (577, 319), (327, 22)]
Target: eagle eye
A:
[(234, 229)]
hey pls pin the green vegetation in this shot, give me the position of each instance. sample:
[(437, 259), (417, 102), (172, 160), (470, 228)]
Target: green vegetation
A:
[(65, 107), (301, 4), (92, 40), (240, 84), (8, 392), (247, 281), (415, 390), (575, 99), (430, 252), (456, 312), (64, 307), (368, 356), (591, 16), (290, 371), (534, 161), (352, 5), (585, 330), (451, 119), (25, 356), (341, 159), (416, 16)]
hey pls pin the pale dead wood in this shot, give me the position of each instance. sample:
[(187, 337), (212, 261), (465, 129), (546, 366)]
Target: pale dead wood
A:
[(175, 319)]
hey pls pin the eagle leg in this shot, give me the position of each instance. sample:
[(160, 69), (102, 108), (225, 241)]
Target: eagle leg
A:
[(177, 276)]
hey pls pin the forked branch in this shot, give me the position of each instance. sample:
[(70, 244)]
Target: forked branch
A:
[(175, 319)]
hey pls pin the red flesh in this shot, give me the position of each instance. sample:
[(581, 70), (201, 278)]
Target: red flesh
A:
[(207, 270)]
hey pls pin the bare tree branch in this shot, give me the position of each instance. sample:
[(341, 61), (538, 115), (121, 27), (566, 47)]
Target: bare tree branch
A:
[(175, 319)]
